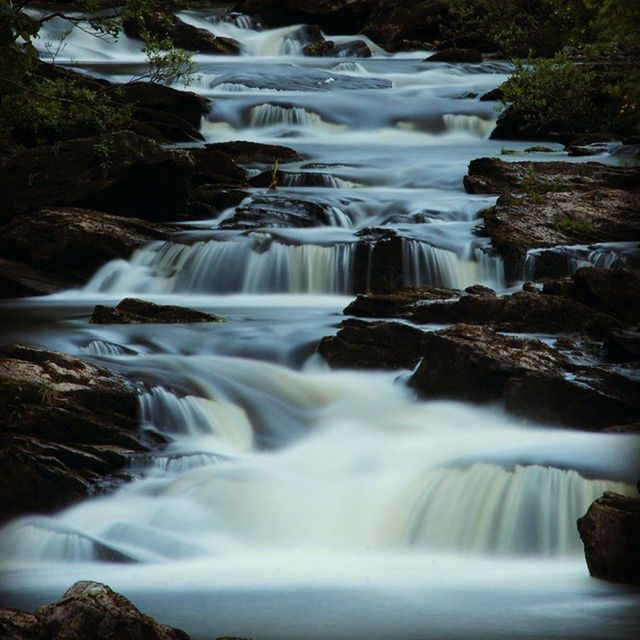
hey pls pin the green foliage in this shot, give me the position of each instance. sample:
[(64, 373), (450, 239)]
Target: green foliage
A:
[(571, 225)]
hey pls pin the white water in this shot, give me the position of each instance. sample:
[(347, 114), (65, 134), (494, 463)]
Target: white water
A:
[(296, 502)]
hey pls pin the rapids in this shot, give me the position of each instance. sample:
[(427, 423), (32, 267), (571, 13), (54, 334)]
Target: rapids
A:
[(296, 502)]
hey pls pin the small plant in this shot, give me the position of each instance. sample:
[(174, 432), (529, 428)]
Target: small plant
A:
[(274, 175), (530, 185), (572, 225), (47, 393), (103, 152)]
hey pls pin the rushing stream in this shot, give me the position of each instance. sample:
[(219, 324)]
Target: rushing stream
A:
[(296, 502)]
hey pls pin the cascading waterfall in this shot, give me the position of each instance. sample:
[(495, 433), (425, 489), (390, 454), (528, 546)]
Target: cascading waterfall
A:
[(467, 124), (269, 115)]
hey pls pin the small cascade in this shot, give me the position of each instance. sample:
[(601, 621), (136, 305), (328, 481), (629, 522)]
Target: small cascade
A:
[(269, 115), (239, 20), (316, 179), (485, 508), (474, 125), (234, 266), (195, 416), (564, 260), (426, 265), (103, 348)]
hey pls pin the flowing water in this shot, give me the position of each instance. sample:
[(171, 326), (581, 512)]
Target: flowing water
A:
[(296, 502)]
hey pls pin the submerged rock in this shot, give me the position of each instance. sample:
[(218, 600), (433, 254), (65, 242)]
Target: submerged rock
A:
[(255, 153), (86, 611), (278, 212), (65, 426), (59, 248), (609, 532), (133, 311)]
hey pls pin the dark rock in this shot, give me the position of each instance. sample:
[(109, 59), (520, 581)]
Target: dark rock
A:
[(215, 167), (277, 212), (520, 312), (399, 304), (133, 311), (475, 363), (456, 54), (622, 345), (119, 173), (513, 125), (92, 610), (479, 290), (65, 426), (614, 291), (18, 625), (609, 532), (286, 178), (374, 345), (255, 152), (351, 49), (378, 266), (61, 247), (183, 35), (494, 95), (207, 200)]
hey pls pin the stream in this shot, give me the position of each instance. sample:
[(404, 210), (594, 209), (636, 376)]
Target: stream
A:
[(296, 502)]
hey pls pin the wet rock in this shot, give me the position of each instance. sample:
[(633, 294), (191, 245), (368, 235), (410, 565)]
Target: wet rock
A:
[(183, 35), (479, 290), (332, 16), (351, 49), (277, 212), (287, 178), (622, 345), (65, 427), (255, 152), (134, 311), (474, 363), (492, 175), (494, 95), (400, 304), (208, 200), (513, 125), (609, 532), (373, 345), (520, 312), (455, 54), (214, 167), (59, 248), (378, 266), (614, 291), (92, 610), (119, 173), (18, 625)]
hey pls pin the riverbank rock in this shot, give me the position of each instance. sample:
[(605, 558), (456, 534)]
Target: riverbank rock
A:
[(120, 173), (455, 54), (86, 611), (399, 304), (373, 345), (183, 35), (547, 204), (133, 311), (66, 427), (59, 248), (609, 532)]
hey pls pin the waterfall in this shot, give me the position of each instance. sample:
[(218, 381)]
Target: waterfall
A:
[(426, 265), (233, 266), (268, 115), (467, 124)]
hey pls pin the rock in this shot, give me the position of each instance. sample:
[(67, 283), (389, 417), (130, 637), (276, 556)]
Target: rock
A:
[(214, 167), (609, 532), (133, 311), (455, 54), (558, 203), (207, 201), (90, 610), (474, 364), (373, 345), (277, 212), (18, 625), (265, 179), (479, 290), (119, 173), (622, 345), (65, 426), (183, 35), (378, 264), (614, 291), (492, 175), (255, 152), (520, 312), (400, 304), (495, 95), (333, 16), (513, 125), (351, 49), (61, 247), (539, 149)]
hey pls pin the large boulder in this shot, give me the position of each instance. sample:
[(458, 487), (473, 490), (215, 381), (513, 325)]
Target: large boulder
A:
[(133, 311), (86, 611), (609, 532), (378, 261), (182, 35), (399, 304), (373, 345), (58, 248), (120, 173), (456, 54), (65, 426)]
